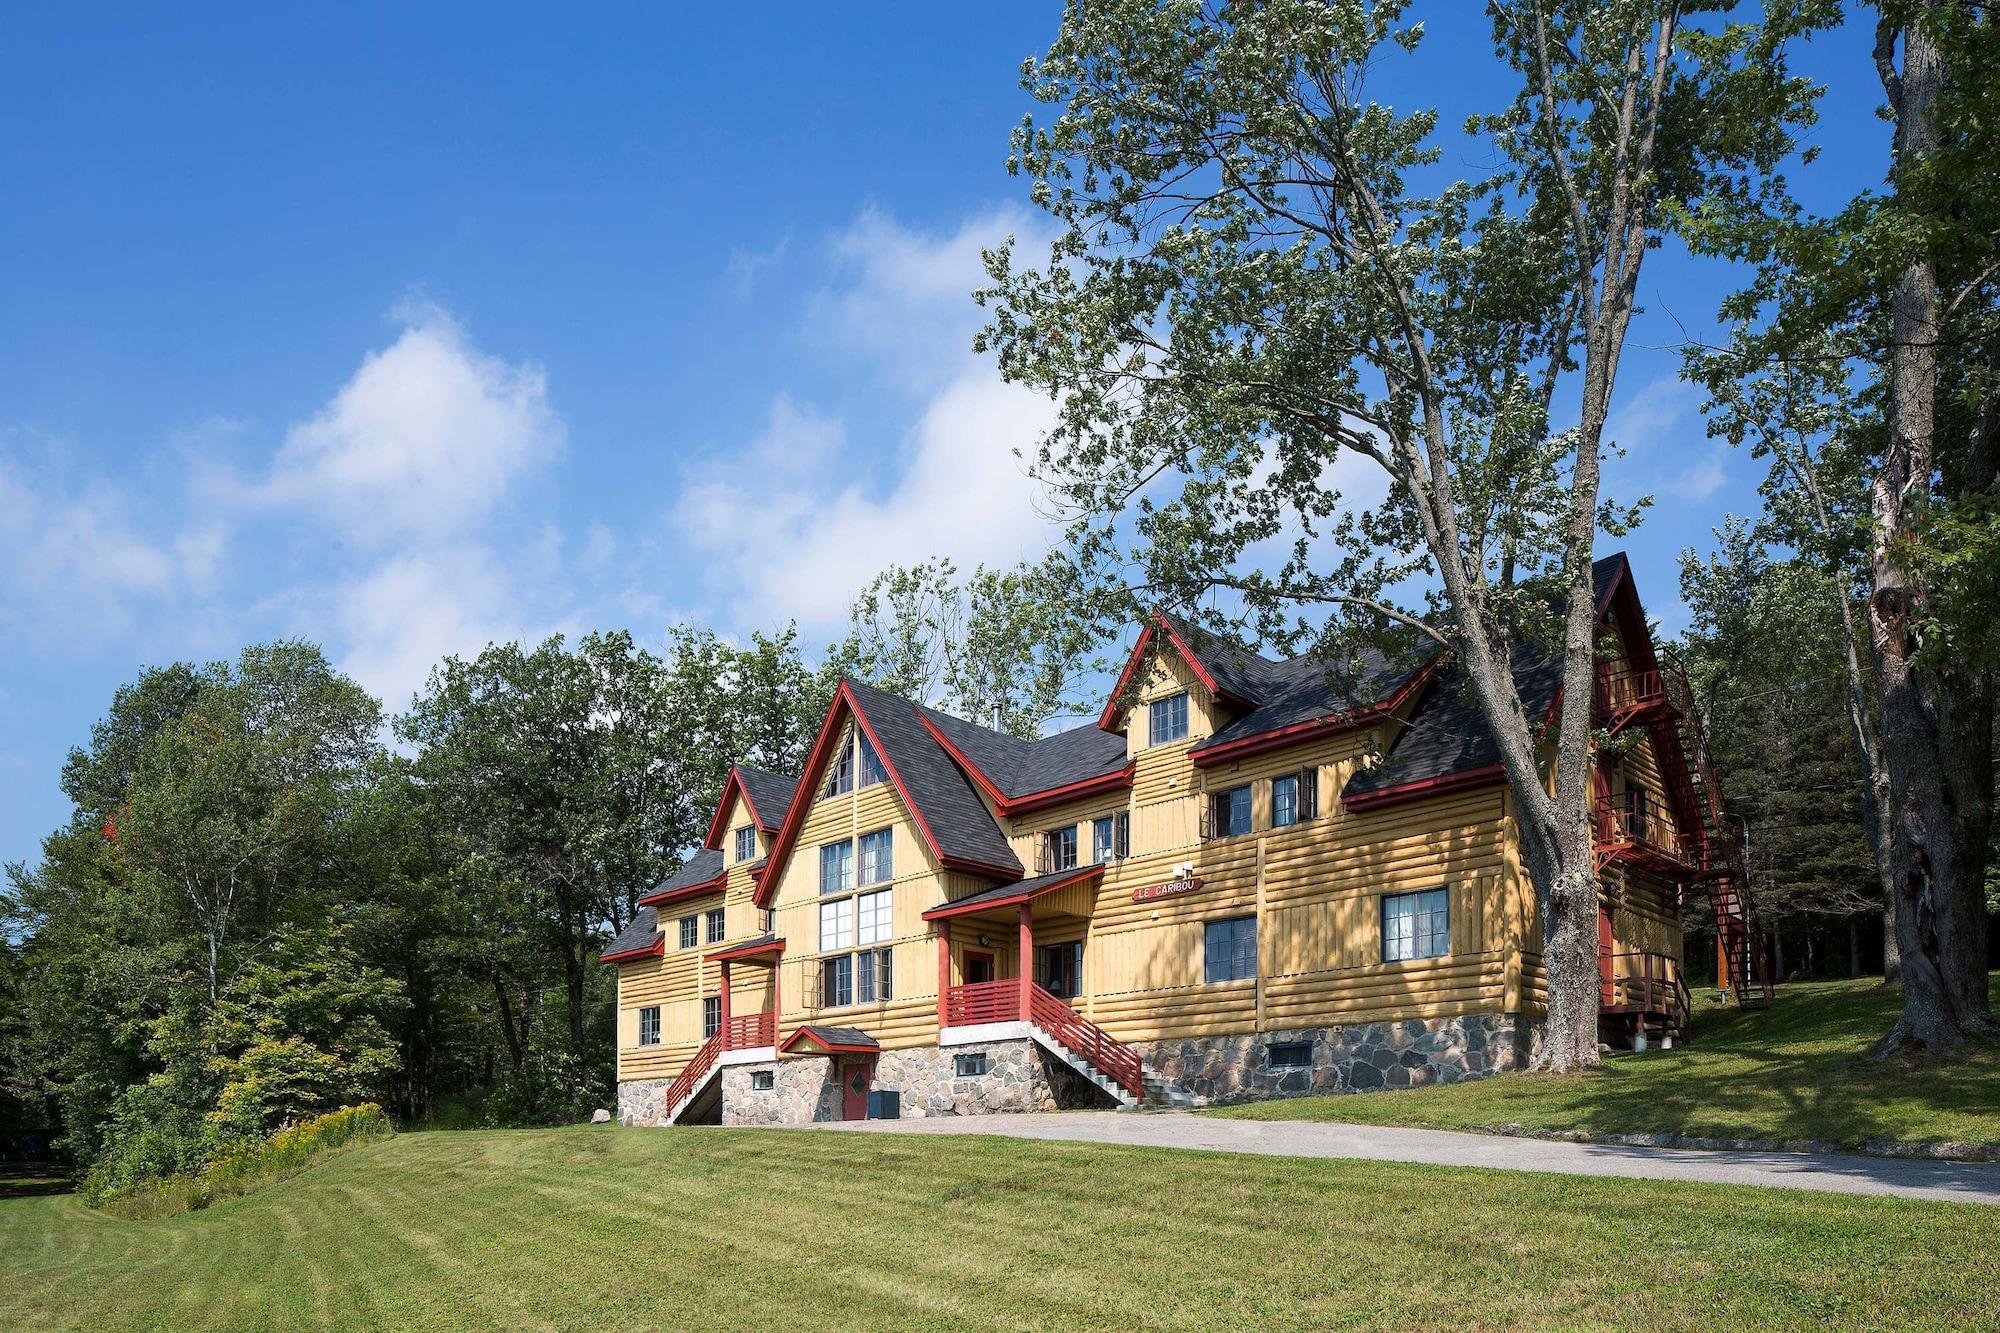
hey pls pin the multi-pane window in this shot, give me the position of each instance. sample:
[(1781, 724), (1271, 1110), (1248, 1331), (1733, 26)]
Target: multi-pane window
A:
[(1229, 812), (873, 914), (1059, 849), (1103, 840), (877, 859), (836, 982), (871, 976), (716, 926), (1416, 925), (1167, 719), (836, 868), (763, 1080), (872, 771), (767, 920), (711, 1016), (746, 842), (840, 775), (649, 1025), (1059, 968), (690, 931), (1285, 801), (836, 925), (1229, 951)]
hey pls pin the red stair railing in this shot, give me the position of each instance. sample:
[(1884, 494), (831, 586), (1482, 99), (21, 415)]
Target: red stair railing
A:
[(1117, 1060), (693, 1072)]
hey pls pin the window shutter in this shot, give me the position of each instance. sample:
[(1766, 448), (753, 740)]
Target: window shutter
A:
[(1122, 839), (1308, 794), (1207, 829), (883, 989)]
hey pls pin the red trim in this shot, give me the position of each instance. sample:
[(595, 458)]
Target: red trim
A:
[(916, 814), (738, 952), (1034, 800), (1332, 724), (795, 818), (737, 785), (1108, 719), (831, 1047), (654, 950), (1113, 707), (950, 910), (1483, 776), (691, 891)]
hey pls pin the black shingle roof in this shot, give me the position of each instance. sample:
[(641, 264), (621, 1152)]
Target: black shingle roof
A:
[(640, 931), (770, 794), (943, 795), (836, 1036), (700, 868), (1306, 688), (1022, 767), (1014, 892)]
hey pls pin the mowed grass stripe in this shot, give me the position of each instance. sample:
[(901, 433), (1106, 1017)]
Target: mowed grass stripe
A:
[(788, 1229)]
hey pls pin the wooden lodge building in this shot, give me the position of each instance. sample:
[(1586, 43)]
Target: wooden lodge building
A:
[(1239, 883)]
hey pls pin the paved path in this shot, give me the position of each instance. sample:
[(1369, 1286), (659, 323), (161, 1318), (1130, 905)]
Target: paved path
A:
[(1834, 1173)]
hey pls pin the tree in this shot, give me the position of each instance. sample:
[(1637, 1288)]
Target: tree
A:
[(1005, 648), (1253, 293), (1894, 304)]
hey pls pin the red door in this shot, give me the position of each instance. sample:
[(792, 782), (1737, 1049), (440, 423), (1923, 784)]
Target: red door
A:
[(1604, 954), (854, 1090), (978, 968)]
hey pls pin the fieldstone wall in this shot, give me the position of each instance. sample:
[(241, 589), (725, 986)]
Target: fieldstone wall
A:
[(803, 1090), (1020, 1076), (643, 1101), (1360, 1057)]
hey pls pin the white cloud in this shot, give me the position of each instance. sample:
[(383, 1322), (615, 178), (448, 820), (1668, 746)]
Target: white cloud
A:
[(797, 518), (1703, 477), (422, 441), (1659, 414)]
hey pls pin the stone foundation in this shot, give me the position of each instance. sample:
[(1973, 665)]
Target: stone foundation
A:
[(643, 1101), (1361, 1057), (1020, 1076)]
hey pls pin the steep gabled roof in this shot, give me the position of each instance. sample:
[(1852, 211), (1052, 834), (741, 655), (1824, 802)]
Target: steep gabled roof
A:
[(639, 939), (937, 795), (700, 873), (770, 795)]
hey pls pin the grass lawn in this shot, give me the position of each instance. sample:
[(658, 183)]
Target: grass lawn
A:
[(1798, 1070), (702, 1229)]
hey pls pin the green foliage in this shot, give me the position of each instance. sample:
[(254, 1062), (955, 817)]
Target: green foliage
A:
[(246, 1167)]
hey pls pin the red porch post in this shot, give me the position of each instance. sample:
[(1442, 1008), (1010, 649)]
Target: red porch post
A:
[(724, 1029), (944, 972), (1026, 965), (777, 1009)]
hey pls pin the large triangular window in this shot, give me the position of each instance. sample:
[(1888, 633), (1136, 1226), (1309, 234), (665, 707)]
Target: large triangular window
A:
[(872, 771)]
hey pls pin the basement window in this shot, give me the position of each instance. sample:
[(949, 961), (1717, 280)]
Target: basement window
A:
[(969, 1066), (762, 1080), (1288, 1055)]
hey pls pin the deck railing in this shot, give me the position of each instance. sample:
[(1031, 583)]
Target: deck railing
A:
[(1630, 819), (983, 1002), (1622, 693), (1649, 982), (748, 1032)]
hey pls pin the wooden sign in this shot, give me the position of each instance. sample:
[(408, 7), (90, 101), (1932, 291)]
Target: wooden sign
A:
[(1173, 888)]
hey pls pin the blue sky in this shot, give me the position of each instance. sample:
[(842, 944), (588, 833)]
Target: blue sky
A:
[(403, 331)]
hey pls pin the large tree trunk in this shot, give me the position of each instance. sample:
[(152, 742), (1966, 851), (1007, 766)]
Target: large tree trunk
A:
[(1936, 723)]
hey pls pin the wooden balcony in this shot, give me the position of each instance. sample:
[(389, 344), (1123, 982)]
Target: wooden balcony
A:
[(1635, 828), (1625, 697), (983, 1002), (750, 1032), (1646, 985)]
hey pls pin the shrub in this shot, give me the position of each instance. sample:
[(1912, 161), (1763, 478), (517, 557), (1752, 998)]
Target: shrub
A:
[(242, 1167)]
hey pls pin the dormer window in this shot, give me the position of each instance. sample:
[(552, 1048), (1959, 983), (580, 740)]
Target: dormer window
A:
[(1167, 719), (746, 842)]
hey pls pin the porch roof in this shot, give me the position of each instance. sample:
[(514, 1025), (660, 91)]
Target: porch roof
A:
[(1020, 891), (833, 1039), (758, 948)]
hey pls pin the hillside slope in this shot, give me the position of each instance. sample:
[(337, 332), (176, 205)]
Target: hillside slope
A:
[(1798, 1070), (611, 1228)]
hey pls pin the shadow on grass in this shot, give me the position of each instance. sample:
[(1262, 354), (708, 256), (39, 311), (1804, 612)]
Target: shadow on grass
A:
[(31, 1180)]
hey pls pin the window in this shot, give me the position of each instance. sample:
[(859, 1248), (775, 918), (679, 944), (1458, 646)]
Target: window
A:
[(1230, 950), (711, 1016), (716, 924), (1122, 844), (836, 981), (871, 976), (1059, 969), (690, 931), (1103, 840), (840, 775), (872, 771), (836, 868), (1416, 925), (1308, 794), (877, 859), (1285, 801), (1288, 1055), (649, 1025), (836, 925), (746, 842), (763, 1080), (1229, 812), (968, 1066), (1166, 719), (874, 915), (1059, 850), (767, 920)]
